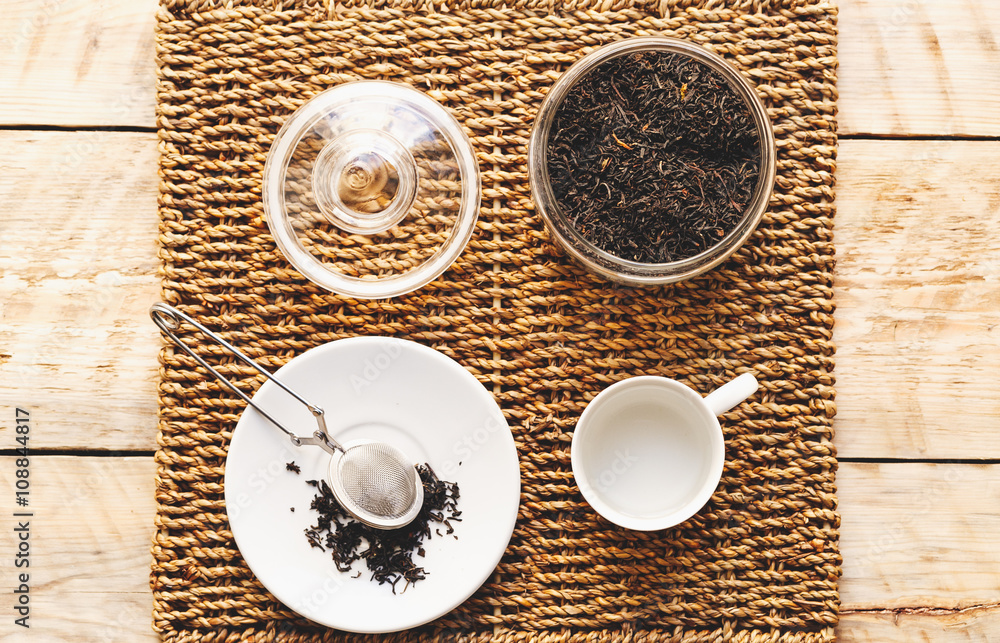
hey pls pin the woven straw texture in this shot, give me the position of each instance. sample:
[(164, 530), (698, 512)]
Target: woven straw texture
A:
[(759, 563)]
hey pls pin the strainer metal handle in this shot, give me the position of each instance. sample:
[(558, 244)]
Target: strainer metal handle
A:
[(169, 320)]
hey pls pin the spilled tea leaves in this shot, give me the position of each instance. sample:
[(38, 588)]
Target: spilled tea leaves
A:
[(387, 553)]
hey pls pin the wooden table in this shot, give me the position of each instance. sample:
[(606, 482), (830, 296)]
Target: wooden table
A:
[(918, 318)]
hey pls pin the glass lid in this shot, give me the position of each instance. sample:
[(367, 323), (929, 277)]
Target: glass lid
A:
[(371, 189)]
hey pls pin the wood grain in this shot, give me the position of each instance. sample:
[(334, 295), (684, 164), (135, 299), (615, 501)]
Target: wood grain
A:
[(917, 293), (918, 543), (77, 62), (907, 67), (972, 625), (90, 537), (919, 535), (919, 67), (78, 271)]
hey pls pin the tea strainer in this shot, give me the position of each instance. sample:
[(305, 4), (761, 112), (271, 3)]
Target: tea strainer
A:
[(373, 481)]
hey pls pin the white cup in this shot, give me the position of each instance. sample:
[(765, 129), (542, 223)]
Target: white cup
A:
[(648, 451)]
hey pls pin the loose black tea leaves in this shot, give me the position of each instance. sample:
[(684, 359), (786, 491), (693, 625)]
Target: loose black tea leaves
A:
[(387, 553), (653, 156)]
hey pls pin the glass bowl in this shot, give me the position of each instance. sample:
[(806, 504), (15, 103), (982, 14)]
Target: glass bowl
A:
[(590, 255), (371, 189)]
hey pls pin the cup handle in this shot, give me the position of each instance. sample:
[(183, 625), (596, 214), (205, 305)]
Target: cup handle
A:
[(731, 393)]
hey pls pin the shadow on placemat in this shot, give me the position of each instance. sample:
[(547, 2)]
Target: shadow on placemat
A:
[(759, 563)]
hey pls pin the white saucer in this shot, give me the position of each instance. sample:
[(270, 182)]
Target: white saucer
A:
[(387, 389)]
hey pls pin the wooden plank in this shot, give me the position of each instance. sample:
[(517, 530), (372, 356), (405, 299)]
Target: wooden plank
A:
[(78, 271), (77, 62), (917, 292), (916, 319), (920, 562), (919, 67), (972, 625), (90, 535), (906, 66), (920, 536)]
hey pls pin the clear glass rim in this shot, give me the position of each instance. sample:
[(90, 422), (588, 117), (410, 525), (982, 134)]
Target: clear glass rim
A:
[(272, 191), (601, 261)]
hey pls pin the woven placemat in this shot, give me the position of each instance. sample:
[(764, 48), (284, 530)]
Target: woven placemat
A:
[(759, 563)]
